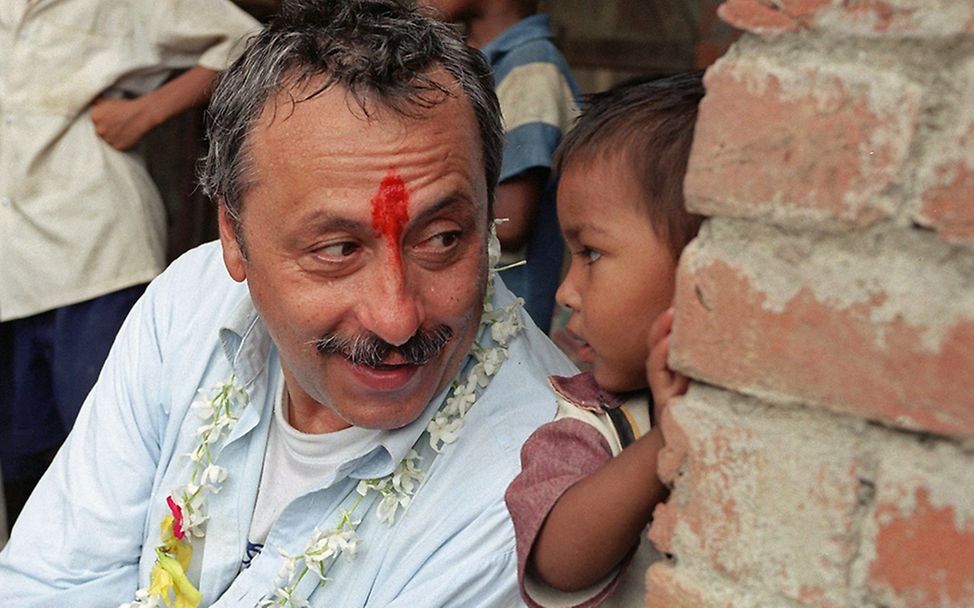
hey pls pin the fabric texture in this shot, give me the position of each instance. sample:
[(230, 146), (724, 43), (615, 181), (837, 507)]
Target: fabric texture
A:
[(558, 455), (48, 364), (79, 219), (454, 546), (539, 101)]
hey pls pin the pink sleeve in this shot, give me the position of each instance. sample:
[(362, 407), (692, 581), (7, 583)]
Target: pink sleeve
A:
[(553, 459)]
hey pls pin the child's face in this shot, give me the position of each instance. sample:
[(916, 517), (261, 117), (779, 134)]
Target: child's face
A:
[(622, 276)]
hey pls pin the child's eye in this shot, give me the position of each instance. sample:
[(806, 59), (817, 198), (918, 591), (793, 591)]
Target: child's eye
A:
[(589, 255)]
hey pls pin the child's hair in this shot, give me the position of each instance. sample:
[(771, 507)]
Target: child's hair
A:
[(649, 124)]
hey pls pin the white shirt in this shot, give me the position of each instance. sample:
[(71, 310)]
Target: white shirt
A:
[(79, 219), (298, 460), (106, 490)]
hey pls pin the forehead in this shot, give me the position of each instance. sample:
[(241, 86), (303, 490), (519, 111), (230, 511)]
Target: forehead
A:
[(328, 149), (597, 192)]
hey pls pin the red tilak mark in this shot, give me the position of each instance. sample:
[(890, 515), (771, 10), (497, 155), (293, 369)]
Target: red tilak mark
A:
[(389, 213), (177, 518)]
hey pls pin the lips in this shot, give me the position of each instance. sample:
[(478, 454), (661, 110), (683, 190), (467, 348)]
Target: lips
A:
[(388, 377)]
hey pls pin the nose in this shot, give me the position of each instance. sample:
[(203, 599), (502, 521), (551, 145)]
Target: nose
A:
[(389, 309), (567, 294)]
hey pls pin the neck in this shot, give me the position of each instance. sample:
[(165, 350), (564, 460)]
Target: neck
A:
[(491, 23), (307, 415)]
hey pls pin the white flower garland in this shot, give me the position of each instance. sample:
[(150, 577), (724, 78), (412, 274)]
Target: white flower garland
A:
[(219, 408)]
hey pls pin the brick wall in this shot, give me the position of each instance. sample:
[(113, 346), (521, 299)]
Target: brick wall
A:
[(825, 454)]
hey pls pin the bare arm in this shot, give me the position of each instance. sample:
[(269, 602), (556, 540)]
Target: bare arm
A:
[(124, 122), (517, 199), (596, 522)]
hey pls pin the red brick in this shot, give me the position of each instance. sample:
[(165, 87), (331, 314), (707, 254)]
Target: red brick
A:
[(766, 497), (665, 590), (758, 17), (899, 349), (949, 208), (794, 145), (947, 169), (867, 18), (922, 530)]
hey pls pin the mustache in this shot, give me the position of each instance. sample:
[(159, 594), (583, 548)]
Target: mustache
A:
[(370, 350)]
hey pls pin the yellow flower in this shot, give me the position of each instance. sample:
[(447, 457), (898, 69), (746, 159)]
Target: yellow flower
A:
[(168, 580)]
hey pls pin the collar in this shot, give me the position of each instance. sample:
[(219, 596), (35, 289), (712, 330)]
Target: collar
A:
[(584, 391), (535, 27), (245, 341)]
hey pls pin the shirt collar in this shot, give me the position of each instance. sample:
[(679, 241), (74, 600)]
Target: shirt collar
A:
[(245, 341), (535, 27)]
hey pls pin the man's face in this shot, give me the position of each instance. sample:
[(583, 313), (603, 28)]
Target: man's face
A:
[(364, 231)]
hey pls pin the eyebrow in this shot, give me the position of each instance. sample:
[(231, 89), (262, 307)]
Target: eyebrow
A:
[(575, 232), (453, 199), (325, 221)]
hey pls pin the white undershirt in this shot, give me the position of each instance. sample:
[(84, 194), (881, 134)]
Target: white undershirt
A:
[(299, 461)]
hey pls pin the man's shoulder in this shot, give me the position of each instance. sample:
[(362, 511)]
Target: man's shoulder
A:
[(196, 287)]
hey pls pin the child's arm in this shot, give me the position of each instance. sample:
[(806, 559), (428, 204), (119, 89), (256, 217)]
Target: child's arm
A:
[(517, 200), (599, 520), (124, 122)]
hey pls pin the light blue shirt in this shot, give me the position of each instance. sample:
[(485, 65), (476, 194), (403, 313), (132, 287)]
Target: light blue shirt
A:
[(88, 533)]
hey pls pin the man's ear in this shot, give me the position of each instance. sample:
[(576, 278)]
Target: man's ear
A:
[(233, 255)]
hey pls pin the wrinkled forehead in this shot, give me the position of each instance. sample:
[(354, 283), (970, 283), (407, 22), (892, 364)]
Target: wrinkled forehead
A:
[(334, 143)]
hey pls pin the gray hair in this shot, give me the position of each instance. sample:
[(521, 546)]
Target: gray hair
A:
[(380, 51)]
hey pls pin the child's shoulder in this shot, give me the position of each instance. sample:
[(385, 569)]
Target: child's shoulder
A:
[(620, 418)]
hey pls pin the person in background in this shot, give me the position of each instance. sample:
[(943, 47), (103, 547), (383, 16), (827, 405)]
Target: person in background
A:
[(327, 405), (539, 101), (589, 484), (82, 227)]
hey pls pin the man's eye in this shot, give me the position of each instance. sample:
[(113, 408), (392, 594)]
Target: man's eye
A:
[(445, 240), (338, 251)]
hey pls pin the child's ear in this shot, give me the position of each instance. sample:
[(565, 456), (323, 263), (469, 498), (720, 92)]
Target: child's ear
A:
[(233, 254)]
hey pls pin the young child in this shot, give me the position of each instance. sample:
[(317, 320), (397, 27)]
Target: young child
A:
[(588, 484), (539, 101)]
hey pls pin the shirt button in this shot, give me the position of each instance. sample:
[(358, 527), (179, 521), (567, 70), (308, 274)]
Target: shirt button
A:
[(4, 201)]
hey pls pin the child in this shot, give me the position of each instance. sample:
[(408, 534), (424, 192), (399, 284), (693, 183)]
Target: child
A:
[(581, 502), (539, 101)]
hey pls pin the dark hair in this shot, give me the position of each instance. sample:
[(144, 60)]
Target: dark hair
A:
[(649, 123), (380, 51)]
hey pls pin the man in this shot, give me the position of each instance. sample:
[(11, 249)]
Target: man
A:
[(378, 389), (539, 101)]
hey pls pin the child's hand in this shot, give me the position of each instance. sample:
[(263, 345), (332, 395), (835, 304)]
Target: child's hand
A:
[(122, 123), (663, 382)]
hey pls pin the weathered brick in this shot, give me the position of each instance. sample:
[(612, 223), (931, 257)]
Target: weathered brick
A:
[(865, 18), (766, 497), (666, 590), (879, 324), (801, 143), (680, 587), (919, 545), (947, 170)]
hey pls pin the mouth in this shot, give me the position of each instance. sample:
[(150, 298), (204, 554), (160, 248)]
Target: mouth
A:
[(583, 350), (384, 377)]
